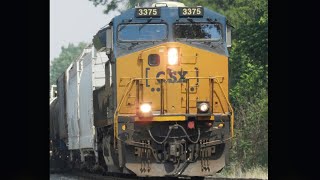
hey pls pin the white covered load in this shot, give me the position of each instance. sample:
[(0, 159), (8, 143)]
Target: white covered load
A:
[(84, 75)]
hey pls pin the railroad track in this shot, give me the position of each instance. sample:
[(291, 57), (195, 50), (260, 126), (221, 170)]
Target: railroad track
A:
[(88, 176)]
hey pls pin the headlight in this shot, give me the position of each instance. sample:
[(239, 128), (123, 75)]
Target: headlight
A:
[(145, 108), (203, 107), (173, 56)]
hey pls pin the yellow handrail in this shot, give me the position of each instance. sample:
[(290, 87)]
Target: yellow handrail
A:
[(115, 130), (129, 86), (231, 109)]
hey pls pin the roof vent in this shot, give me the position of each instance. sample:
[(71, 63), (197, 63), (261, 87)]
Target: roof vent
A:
[(168, 4)]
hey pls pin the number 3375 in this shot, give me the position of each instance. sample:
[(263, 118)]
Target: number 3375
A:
[(191, 11), (144, 12)]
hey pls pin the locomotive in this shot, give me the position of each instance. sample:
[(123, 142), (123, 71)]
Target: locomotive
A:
[(149, 96)]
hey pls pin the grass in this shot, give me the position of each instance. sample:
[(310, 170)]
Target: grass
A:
[(235, 171)]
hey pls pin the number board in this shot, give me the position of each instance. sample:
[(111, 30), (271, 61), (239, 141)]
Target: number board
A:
[(147, 12), (191, 11)]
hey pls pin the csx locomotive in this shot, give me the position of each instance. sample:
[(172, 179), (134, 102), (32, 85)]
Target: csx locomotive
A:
[(162, 108)]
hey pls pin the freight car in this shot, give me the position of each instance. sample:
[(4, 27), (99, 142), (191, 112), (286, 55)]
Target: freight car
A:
[(150, 95)]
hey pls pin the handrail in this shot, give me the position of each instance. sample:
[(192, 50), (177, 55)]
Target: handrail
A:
[(115, 122), (231, 109), (129, 85)]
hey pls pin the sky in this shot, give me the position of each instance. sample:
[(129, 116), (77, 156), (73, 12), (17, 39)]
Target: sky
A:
[(74, 21)]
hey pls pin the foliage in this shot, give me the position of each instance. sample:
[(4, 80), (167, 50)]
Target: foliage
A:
[(61, 63), (235, 171), (249, 81), (117, 5), (248, 74)]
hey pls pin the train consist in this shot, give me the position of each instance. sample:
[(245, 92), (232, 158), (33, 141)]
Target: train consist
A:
[(148, 97)]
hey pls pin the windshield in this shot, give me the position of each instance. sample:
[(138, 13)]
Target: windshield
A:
[(197, 31), (142, 32)]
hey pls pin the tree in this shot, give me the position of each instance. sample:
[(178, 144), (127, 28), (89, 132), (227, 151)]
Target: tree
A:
[(61, 63), (119, 5)]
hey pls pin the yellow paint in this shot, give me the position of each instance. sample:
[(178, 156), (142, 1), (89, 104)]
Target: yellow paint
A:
[(191, 60), (201, 118), (171, 118), (165, 118)]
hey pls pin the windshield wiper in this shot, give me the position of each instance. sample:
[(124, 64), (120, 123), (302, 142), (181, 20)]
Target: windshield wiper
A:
[(141, 26), (134, 44), (125, 25), (191, 20), (122, 27), (127, 45), (214, 44), (183, 39), (210, 43)]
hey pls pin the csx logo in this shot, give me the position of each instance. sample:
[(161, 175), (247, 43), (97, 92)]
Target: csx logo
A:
[(175, 76)]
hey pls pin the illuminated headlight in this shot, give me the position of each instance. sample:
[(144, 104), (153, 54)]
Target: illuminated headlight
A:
[(173, 56), (203, 107), (145, 108), (50, 153)]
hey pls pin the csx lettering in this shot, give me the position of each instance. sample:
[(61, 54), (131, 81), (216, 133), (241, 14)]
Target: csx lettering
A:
[(159, 74), (182, 75), (173, 76)]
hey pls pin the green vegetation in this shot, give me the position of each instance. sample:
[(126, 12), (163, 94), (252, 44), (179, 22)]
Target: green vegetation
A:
[(61, 63), (249, 75), (115, 4), (234, 171)]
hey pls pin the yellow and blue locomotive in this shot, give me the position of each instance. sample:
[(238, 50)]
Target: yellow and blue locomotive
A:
[(159, 104), (168, 105)]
